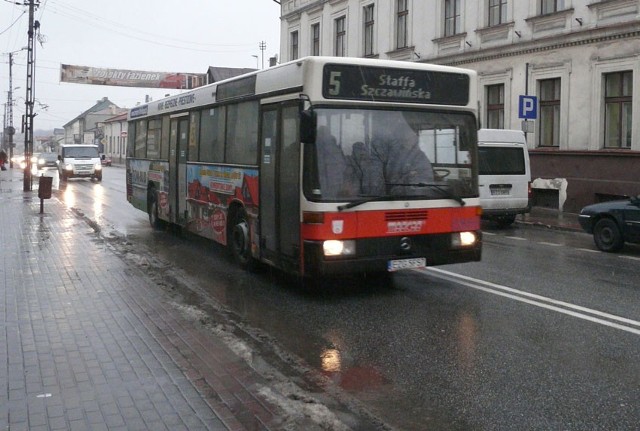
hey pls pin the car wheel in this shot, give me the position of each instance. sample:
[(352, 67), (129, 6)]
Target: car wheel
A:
[(505, 221), (240, 242), (607, 236)]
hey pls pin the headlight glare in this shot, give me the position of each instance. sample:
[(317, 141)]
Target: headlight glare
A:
[(98, 166), (463, 239), (339, 248)]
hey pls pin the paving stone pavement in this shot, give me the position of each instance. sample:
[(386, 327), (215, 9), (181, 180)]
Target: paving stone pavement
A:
[(89, 343)]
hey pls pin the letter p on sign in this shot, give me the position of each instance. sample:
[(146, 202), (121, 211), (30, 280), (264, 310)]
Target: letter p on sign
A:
[(528, 107)]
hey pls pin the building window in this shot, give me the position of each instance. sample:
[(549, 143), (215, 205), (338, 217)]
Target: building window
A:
[(617, 107), (341, 37), (495, 106), (368, 30), (451, 17), (294, 45), (550, 112), (497, 12), (401, 24), (315, 39), (551, 6)]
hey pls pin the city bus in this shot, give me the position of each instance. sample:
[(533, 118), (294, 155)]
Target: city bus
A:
[(320, 166)]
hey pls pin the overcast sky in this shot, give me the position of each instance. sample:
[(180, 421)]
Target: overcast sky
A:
[(150, 35)]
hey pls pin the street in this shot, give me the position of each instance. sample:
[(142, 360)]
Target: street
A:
[(541, 334)]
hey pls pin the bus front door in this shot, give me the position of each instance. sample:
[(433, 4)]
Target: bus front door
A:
[(178, 168), (279, 186)]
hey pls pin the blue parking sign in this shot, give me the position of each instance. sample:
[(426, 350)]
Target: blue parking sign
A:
[(528, 107)]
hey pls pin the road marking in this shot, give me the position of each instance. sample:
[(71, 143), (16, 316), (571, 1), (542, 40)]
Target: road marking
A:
[(578, 311), (552, 244), (588, 250), (517, 238), (629, 257)]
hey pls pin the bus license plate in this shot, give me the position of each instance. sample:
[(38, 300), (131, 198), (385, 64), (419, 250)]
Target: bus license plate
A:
[(396, 265)]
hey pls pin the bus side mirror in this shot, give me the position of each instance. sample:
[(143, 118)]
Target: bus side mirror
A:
[(308, 126)]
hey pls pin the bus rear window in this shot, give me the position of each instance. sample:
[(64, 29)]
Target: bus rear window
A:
[(501, 161)]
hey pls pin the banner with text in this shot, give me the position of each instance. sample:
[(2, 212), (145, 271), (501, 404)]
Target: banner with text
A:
[(130, 78)]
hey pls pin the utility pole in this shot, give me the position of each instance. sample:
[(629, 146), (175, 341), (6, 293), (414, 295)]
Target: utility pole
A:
[(10, 129), (263, 46), (30, 97)]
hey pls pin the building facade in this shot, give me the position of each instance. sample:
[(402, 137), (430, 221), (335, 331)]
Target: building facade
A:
[(114, 138), (83, 129), (579, 59)]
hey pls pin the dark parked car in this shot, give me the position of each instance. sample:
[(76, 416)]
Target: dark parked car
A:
[(612, 223)]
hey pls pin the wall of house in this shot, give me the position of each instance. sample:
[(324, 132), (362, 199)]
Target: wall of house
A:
[(578, 44)]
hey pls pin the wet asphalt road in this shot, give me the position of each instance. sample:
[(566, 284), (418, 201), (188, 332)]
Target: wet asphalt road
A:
[(542, 334)]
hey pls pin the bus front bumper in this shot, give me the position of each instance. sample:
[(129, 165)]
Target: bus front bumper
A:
[(374, 254)]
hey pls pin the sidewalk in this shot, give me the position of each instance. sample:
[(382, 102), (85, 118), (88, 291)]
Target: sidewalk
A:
[(88, 343), (550, 218)]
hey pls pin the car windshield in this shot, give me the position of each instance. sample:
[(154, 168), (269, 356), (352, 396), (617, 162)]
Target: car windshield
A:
[(81, 152), (48, 156), (362, 154)]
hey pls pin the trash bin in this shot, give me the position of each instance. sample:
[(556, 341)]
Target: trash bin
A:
[(44, 187)]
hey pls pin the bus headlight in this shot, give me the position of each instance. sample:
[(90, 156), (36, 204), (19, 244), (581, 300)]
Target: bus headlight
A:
[(463, 239), (339, 248), (68, 167)]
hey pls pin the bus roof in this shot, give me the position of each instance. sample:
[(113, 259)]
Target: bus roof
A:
[(283, 78)]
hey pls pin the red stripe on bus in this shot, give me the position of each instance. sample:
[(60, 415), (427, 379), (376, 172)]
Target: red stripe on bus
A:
[(369, 224)]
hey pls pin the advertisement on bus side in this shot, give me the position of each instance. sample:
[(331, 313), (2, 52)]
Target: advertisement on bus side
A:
[(210, 190)]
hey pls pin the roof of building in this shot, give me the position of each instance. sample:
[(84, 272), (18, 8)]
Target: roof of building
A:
[(219, 73), (100, 105)]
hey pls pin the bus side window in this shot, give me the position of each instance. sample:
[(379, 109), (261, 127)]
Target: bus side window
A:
[(242, 133), (194, 132), (140, 149), (212, 134), (131, 135), (164, 139)]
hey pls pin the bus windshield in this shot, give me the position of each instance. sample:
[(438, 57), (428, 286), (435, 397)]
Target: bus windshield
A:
[(367, 153)]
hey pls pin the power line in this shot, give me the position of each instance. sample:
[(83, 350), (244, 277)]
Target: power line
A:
[(12, 24), (80, 15)]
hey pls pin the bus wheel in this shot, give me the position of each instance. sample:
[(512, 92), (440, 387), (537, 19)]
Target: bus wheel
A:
[(239, 241), (152, 209)]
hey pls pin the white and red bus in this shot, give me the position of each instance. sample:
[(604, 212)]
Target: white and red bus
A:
[(318, 166)]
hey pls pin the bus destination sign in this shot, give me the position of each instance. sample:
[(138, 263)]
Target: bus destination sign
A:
[(381, 84)]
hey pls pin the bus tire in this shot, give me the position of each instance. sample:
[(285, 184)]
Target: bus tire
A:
[(152, 210), (240, 241)]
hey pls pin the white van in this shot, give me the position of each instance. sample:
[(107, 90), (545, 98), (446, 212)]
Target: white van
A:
[(504, 175), (80, 160)]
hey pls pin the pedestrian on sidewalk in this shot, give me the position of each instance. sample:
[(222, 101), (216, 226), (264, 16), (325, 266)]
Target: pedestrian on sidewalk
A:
[(3, 160)]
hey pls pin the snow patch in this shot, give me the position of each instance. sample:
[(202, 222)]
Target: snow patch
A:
[(299, 406)]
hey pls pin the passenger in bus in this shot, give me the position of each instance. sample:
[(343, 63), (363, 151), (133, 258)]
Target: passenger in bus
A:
[(331, 163), (406, 167), (366, 173)]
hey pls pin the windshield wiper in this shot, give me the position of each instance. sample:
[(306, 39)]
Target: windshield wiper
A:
[(446, 193), (364, 201)]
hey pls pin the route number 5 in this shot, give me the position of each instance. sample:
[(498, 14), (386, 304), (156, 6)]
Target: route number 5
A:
[(334, 83)]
